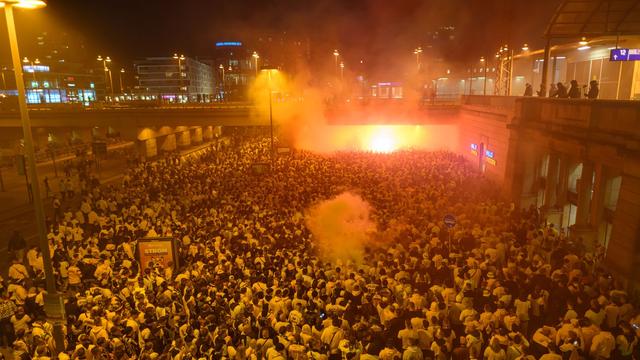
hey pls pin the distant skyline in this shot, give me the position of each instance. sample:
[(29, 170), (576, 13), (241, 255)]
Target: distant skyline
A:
[(370, 29)]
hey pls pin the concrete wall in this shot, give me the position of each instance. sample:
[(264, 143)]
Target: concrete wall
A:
[(538, 143), (487, 125)]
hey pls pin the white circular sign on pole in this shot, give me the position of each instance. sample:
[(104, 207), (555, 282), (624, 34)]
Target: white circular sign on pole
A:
[(449, 220)]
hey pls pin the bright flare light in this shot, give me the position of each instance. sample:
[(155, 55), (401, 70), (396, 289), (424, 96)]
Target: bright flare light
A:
[(24, 4), (382, 140)]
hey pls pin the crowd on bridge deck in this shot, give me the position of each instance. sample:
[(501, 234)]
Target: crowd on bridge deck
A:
[(249, 284)]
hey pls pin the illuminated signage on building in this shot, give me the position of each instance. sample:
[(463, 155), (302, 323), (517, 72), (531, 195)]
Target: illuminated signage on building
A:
[(474, 149), (228, 43), (35, 68), (489, 157), (624, 55)]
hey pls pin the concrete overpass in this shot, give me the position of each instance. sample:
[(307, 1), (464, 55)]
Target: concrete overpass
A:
[(165, 128), (136, 117)]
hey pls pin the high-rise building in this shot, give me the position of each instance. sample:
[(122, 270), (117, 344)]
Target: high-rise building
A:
[(175, 79), (59, 47), (235, 68), (237, 63)]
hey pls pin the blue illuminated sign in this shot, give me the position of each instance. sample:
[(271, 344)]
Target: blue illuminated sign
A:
[(228, 43), (474, 146), (35, 68), (624, 55), (489, 154)]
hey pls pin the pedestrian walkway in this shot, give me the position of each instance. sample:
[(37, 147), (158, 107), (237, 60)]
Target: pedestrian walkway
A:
[(21, 216), (15, 197)]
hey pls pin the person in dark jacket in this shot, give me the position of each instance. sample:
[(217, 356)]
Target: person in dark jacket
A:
[(574, 90), (553, 91), (17, 245), (561, 91), (594, 90), (528, 90)]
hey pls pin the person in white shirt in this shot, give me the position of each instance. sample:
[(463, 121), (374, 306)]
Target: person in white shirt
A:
[(332, 335), (17, 271), (20, 320), (552, 354), (602, 345)]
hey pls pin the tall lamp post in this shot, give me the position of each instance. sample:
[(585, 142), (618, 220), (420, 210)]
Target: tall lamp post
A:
[(483, 61), (121, 83), (107, 72), (43, 242), (180, 59), (417, 53), (256, 57), (336, 55), (221, 67), (269, 71)]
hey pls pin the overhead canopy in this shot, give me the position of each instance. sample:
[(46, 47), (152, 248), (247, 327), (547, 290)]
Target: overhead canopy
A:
[(590, 18)]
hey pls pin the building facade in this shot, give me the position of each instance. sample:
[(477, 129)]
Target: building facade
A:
[(175, 80), (235, 68), (54, 84), (575, 160)]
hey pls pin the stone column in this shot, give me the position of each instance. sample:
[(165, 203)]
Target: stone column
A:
[(169, 143), (583, 227), (147, 148), (583, 188), (184, 138), (563, 181), (207, 133), (623, 258), (197, 135), (551, 183), (597, 202)]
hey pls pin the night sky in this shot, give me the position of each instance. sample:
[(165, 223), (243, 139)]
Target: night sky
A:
[(360, 28)]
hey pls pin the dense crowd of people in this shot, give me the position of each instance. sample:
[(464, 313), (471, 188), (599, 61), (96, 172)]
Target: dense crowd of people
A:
[(249, 284)]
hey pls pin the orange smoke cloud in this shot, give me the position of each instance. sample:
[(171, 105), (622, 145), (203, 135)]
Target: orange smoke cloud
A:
[(376, 138)]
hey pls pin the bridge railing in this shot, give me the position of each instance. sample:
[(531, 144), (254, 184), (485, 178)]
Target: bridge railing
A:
[(493, 101), (612, 117)]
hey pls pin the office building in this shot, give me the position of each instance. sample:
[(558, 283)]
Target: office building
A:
[(177, 80)]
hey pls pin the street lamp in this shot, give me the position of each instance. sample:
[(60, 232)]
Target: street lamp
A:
[(525, 47), (269, 71), (121, 84), (221, 67), (256, 57), (43, 242), (4, 81), (484, 65), (417, 53), (107, 72), (180, 59), (336, 54)]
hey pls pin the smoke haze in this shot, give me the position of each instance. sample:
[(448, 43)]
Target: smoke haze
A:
[(341, 227)]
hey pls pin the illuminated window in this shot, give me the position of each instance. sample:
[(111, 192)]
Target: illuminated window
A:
[(33, 97), (34, 84), (45, 84), (54, 96), (92, 85)]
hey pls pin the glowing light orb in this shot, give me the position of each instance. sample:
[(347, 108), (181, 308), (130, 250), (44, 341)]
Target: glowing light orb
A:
[(382, 140)]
